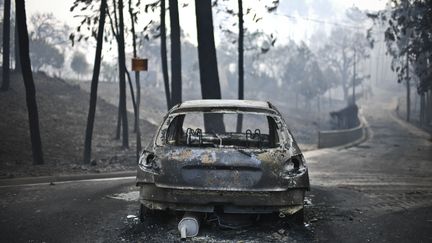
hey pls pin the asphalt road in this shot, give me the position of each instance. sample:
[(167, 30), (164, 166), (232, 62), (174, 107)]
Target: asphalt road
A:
[(378, 191)]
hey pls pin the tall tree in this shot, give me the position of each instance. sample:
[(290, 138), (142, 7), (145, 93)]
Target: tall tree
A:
[(115, 13), (44, 54), (115, 30), (137, 83), (408, 90), (138, 139), (79, 64), (17, 52), (304, 74), (137, 74), (176, 75), (240, 63), (339, 54), (117, 27), (29, 83), (209, 77), (164, 58), (409, 44), (122, 76), (94, 84), (257, 40), (6, 44)]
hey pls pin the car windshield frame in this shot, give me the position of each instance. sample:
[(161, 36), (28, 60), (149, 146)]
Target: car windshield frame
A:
[(284, 138)]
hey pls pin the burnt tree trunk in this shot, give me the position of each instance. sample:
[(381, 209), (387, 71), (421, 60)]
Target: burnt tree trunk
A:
[(114, 28), (138, 86), (122, 75), (17, 51), (426, 107), (94, 84), (354, 80), (119, 117), (176, 76), (345, 76), (6, 45), (137, 76), (408, 90), (135, 111), (164, 55), (29, 84), (421, 117), (240, 63), (209, 78)]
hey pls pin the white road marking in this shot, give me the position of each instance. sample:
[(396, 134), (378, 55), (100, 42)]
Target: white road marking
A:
[(70, 181)]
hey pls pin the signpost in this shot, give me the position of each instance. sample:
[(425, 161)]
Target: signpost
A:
[(138, 64)]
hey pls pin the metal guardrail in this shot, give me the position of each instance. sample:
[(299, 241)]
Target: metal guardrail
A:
[(334, 138)]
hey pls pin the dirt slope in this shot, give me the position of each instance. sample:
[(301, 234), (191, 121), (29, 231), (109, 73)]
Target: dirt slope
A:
[(63, 114)]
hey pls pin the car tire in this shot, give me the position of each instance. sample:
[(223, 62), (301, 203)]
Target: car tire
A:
[(298, 217), (144, 212)]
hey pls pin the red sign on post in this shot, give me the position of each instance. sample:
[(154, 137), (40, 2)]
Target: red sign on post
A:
[(139, 64)]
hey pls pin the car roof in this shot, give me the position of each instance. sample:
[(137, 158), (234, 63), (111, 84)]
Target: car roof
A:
[(224, 103), (209, 104)]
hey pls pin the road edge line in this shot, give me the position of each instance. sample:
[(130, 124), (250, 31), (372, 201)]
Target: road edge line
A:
[(64, 178)]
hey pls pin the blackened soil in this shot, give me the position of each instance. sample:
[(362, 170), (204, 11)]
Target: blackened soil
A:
[(62, 116)]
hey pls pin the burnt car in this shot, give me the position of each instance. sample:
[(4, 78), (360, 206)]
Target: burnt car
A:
[(200, 160)]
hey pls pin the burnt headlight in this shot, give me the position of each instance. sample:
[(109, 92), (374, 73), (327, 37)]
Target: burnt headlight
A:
[(292, 165), (147, 161)]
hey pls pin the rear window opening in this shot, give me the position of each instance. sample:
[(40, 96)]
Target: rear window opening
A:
[(213, 129)]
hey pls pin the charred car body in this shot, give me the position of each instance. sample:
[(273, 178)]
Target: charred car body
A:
[(198, 162)]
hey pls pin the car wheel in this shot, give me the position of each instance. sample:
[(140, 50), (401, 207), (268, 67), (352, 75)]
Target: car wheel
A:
[(298, 217), (144, 212)]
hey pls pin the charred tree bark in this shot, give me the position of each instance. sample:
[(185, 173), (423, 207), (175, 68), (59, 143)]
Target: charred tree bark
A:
[(138, 87), (319, 109), (17, 50), (164, 55), (422, 108), (135, 111), (6, 45), (122, 75), (114, 30), (29, 84), (119, 118), (408, 90), (345, 90), (427, 108), (137, 76), (240, 63), (345, 75), (209, 78), (94, 85), (176, 76), (354, 80)]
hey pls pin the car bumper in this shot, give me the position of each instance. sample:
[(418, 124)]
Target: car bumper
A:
[(287, 201)]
